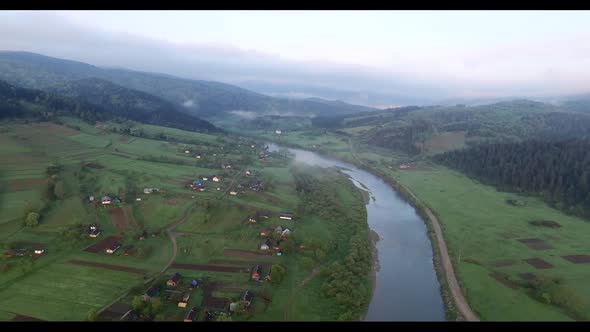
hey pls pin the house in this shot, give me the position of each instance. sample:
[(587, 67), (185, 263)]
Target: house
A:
[(278, 132), (262, 214), (187, 151), (143, 236), (138, 199), (277, 245), (216, 179), (205, 178), (114, 247), (184, 301), (106, 200), (39, 251), (198, 156), (191, 316), (233, 306), (265, 245), (150, 190), (252, 220), (279, 229), (94, 233), (226, 165), (233, 192), (246, 298), (248, 173), (256, 272), (90, 198), (194, 284), (151, 292), (285, 233), (286, 216), (263, 232), (174, 280)]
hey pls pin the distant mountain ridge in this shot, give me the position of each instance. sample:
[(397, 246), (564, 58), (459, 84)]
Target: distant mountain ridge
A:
[(197, 97)]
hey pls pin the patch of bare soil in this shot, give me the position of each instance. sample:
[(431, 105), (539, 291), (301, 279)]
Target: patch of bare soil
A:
[(102, 245), (538, 263), (536, 244), (577, 259), (504, 281), (118, 218)]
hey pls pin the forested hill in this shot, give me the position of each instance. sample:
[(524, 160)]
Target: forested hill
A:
[(557, 170), (197, 97), (419, 129), (94, 100), (131, 104)]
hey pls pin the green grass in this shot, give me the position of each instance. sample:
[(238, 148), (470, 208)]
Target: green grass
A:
[(64, 292)]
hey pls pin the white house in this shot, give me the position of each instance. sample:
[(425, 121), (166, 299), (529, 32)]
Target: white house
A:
[(286, 216), (187, 151), (205, 178), (39, 251), (264, 245), (216, 179), (278, 132), (106, 200), (233, 193)]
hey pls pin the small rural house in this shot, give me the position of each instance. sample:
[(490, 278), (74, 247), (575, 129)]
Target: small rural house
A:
[(39, 251), (174, 280), (205, 178), (256, 272), (279, 229), (93, 231), (265, 245), (263, 232), (194, 284), (233, 192), (252, 220), (248, 173), (106, 200), (278, 132), (184, 301), (113, 248), (246, 298), (233, 306), (198, 156), (187, 151), (150, 190), (226, 165), (151, 292), (191, 316), (143, 235), (276, 245), (286, 216), (90, 198), (285, 233), (216, 179)]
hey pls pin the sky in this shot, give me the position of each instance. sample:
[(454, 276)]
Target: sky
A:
[(427, 54)]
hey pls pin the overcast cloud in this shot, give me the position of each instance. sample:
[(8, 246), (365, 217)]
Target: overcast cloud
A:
[(551, 65)]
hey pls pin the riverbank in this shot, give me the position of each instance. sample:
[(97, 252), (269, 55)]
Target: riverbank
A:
[(455, 305)]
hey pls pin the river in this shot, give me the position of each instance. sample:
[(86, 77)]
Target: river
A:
[(406, 285)]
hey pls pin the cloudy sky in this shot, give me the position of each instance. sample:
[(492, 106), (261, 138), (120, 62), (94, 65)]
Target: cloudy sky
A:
[(424, 54)]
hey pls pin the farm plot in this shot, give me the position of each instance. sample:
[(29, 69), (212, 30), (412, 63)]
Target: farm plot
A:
[(118, 218), (102, 245), (536, 244), (212, 268), (577, 259), (108, 266), (538, 263), (65, 291)]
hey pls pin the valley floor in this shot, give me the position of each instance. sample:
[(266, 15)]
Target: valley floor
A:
[(507, 267)]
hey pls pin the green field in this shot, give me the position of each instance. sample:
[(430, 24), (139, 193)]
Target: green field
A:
[(97, 160)]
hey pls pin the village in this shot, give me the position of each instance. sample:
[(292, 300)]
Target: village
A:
[(174, 231)]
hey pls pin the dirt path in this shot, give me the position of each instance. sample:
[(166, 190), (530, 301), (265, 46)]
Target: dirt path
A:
[(171, 231), (454, 287), (313, 273)]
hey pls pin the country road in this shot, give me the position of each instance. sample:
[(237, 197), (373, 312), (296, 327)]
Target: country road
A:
[(171, 231)]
